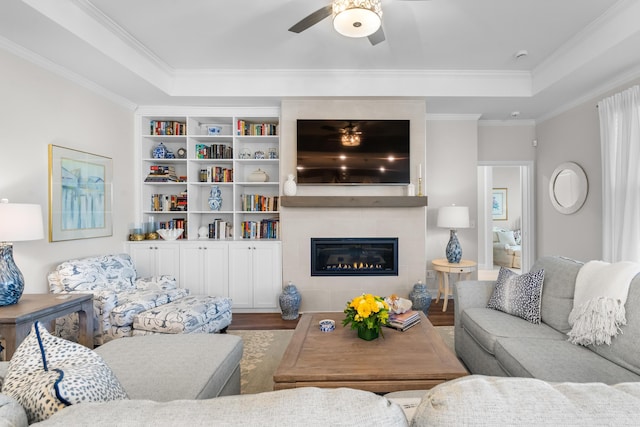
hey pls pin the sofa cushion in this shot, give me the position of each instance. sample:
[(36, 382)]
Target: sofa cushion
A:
[(305, 406), (12, 413), (115, 272), (486, 326), (518, 294), (557, 292), (48, 373), (156, 282), (182, 316), (555, 360), (495, 401), (625, 347), (136, 301), (194, 366), (213, 326), (507, 237)]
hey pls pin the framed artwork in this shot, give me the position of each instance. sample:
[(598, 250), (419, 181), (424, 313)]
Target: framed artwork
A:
[(79, 195), (499, 204)]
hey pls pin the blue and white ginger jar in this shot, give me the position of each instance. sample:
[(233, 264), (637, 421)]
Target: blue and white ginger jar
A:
[(290, 302)]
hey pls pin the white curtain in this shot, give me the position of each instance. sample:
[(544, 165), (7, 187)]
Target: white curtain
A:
[(620, 149)]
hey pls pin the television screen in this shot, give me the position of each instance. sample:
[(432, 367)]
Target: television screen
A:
[(353, 151)]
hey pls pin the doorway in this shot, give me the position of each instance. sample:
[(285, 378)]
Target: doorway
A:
[(505, 217)]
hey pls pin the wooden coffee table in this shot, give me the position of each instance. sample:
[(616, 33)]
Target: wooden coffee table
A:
[(414, 359)]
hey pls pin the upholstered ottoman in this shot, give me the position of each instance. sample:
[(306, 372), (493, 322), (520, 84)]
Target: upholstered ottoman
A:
[(168, 367), (191, 314)]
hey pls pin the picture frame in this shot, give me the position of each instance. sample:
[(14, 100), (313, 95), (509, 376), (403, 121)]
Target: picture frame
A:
[(499, 204), (80, 195)]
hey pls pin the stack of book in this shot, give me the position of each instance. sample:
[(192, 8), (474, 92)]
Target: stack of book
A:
[(403, 321), (160, 173)]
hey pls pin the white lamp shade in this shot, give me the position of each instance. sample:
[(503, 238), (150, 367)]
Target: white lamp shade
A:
[(20, 222), (453, 217)]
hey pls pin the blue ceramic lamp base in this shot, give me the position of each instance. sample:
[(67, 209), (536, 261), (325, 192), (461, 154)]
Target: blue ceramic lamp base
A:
[(11, 279), (454, 251)]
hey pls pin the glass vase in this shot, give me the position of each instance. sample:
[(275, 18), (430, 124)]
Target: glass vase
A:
[(367, 334)]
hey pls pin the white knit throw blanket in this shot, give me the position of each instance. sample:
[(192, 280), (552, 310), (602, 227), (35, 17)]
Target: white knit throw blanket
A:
[(598, 303)]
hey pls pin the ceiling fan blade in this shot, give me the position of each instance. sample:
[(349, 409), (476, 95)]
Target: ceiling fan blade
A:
[(377, 37), (312, 19)]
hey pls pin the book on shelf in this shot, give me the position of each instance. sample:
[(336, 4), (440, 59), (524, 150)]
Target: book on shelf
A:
[(259, 203), (255, 129), (214, 151), (219, 229), (169, 202), (167, 127), (264, 229), (161, 173)]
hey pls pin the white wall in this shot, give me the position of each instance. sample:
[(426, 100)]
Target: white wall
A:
[(571, 136), (38, 108), (451, 178)]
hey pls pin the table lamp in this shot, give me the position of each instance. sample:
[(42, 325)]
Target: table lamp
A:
[(18, 222), (453, 217)]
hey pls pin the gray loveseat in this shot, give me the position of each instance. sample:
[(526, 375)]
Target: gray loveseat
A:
[(491, 342)]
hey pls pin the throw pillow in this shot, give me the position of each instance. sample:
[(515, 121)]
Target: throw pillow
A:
[(517, 236), (518, 295), (507, 237), (48, 373)]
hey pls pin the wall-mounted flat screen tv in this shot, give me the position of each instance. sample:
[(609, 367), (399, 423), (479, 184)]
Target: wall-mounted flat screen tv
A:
[(355, 152)]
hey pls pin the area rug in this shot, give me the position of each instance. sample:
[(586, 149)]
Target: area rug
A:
[(263, 351)]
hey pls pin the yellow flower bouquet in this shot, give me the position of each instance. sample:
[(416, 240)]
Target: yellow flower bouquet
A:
[(367, 313)]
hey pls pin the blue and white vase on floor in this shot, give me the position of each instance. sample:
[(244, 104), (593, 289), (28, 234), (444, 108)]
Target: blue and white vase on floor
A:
[(290, 302), (454, 251), (215, 198), (420, 298)]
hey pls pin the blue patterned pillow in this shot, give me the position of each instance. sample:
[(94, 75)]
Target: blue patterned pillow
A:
[(48, 373), (518, 295)]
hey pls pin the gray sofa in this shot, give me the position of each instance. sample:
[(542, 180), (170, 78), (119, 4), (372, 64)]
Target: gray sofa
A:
[(176, 380), (491, 342)]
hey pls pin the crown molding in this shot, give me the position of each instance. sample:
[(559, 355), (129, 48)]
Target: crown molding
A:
[(44, 63), (453, 117), (506, 123)]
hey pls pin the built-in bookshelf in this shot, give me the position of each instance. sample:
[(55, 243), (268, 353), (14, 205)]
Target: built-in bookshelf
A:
[(238, 153)]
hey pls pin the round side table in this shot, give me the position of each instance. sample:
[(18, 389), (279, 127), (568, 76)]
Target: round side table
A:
[(443, 268)]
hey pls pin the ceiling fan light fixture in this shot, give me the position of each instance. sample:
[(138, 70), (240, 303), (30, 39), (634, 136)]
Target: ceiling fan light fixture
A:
[(357, 18), (350, 140)]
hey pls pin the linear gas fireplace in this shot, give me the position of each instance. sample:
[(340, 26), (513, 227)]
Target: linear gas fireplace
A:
[(354, 256)]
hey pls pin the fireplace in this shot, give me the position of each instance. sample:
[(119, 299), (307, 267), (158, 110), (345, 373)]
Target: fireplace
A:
[(354, 256)]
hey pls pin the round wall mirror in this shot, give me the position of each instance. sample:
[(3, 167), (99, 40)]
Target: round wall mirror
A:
[(568, 188)]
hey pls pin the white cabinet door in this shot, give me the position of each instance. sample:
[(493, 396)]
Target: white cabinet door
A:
[(267, 274), (155, 258), (204, 268), (255, 274), (241, 274)]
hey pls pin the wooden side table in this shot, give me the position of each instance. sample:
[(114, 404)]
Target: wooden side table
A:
[(16, 320), (443, 268)]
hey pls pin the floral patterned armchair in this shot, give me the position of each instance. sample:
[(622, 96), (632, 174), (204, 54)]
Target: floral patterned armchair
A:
[(118, 294)]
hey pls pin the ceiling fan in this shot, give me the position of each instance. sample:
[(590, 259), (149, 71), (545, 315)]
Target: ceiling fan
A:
[(350, 135), (351, 18)]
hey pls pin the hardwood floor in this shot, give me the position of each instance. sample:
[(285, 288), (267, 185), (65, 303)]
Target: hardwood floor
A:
[(275, 321)]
